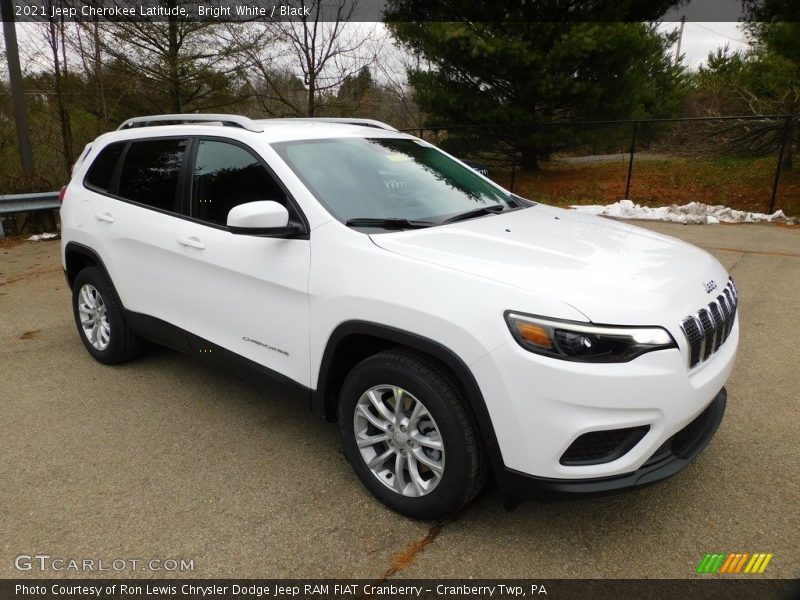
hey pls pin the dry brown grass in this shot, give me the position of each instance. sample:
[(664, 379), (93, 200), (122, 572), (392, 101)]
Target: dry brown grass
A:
[(741, 183)]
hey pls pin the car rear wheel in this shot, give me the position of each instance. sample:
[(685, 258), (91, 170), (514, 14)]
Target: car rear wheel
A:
[(101, 322), (409, 437)]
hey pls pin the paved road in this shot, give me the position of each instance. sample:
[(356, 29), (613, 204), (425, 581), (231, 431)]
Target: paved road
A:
[(164, 458), (619, 157)]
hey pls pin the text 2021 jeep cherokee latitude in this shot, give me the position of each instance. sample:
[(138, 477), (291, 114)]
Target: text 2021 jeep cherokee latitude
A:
[(455, 330)]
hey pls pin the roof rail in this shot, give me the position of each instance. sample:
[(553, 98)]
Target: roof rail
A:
[(344, 120), (232, 120)]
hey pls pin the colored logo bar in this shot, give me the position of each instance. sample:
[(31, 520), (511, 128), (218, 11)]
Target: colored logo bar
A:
[(739, 562)]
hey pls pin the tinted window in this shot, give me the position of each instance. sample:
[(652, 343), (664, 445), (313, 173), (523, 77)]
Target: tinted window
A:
[(150, 172), (226, 175), (102, 169)]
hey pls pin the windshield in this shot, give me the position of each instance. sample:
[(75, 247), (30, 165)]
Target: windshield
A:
[(389, 178)]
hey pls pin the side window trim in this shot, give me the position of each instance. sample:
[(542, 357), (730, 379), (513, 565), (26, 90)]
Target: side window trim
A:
[(113, 191), (113, 186), (183, 197), (185, 182), (295, 212)]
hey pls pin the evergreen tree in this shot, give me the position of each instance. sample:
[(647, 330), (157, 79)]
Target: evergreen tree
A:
[(537, 62)]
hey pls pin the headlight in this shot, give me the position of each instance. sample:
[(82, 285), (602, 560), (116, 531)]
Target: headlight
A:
[(571, 340)]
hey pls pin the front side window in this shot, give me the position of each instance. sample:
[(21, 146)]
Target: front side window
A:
[(389, 178), (151, 171), (226, 175)]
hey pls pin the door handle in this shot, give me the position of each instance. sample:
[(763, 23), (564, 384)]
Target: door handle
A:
[(104, 217), (191, 242)]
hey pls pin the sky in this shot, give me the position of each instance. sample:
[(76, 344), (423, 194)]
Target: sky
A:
[(699, 39)]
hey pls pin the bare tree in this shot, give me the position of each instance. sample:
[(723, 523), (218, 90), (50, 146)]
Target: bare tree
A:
[(183, 63), (318, 51), (46, 56), (55, 34), (392, 74), (88, 46), (19, 107)]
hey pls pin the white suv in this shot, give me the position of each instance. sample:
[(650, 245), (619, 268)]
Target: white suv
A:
[(455, 330)]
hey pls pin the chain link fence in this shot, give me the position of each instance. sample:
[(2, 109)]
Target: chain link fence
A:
[(747, 163)]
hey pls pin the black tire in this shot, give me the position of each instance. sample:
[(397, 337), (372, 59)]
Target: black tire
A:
[(123, 344), (465, 470)]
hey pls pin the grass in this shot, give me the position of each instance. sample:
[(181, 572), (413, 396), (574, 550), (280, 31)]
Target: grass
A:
[(741, 183)]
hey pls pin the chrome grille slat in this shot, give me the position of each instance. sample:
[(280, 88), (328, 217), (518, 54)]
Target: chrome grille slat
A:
[(708, 328), (729, 315), (723, 307), (729, 298), (695, 337), (726, 313), (702, 348), (717, 324)]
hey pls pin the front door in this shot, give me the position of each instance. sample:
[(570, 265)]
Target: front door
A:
[(246, 294)]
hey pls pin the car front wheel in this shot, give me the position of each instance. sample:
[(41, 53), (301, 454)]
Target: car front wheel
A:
[(408, 435)]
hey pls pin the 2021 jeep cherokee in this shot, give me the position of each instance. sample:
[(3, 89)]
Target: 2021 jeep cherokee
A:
[(456, 331)]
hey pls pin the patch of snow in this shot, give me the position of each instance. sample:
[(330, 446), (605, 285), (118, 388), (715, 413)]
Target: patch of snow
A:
[(695, 213), (42, 236)]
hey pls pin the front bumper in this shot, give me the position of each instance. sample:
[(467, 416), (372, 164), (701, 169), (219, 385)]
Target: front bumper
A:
[(675, 454), (541, 408)]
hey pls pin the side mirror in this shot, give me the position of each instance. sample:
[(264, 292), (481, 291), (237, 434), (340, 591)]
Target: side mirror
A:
[(263, 219)]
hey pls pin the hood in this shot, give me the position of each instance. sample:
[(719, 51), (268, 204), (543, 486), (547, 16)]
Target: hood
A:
[(611, 272)]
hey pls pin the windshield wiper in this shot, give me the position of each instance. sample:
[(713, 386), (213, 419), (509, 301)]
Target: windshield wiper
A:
[(392, 223), (476, 212)]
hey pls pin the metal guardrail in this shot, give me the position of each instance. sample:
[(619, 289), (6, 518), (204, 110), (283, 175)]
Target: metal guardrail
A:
[(13, 203)]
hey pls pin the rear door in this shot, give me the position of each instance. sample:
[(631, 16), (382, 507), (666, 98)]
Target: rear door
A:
[(135, 213)]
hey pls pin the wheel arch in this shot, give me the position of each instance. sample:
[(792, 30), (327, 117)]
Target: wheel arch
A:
[(353, 341), (77, 257)]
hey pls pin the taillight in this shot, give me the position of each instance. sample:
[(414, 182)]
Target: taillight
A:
[(62, 194)]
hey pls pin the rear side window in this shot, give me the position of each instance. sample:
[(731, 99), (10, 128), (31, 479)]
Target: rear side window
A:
[(150, 172), (226, 175), (102, 169)]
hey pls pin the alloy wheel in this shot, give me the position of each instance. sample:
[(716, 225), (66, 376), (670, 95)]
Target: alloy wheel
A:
[(94, 317), (399, 440)]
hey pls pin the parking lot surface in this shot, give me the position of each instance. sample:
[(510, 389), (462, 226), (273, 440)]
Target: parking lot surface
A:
[(165, 458)]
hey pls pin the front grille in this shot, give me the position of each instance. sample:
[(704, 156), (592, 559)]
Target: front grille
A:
[(597, 447), (709, 327)]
